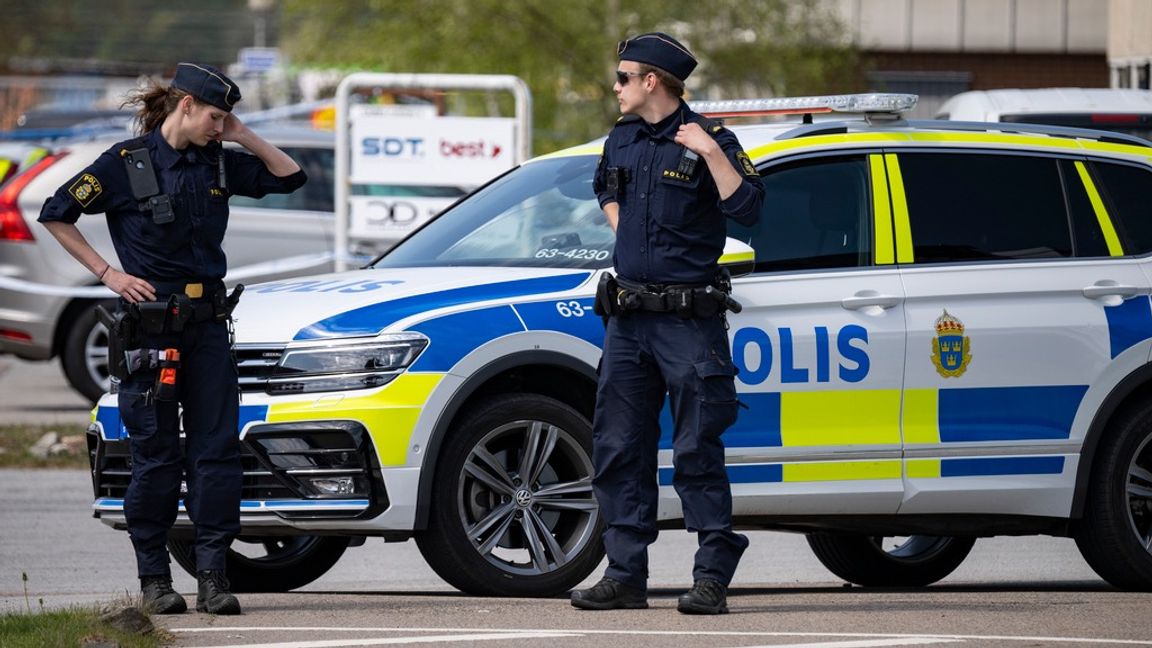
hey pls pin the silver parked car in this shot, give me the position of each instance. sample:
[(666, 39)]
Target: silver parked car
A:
[(47, 298)]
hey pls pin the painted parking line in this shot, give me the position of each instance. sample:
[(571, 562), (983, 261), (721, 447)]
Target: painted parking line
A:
[(837, 639), (386, 641), (866, 643)]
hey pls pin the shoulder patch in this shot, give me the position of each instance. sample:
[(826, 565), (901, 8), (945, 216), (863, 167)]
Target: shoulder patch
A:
[(85, 189), (746, 164), (710, 126)]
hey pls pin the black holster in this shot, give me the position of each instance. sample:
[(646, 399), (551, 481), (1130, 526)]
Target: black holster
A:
[(606, 304), (123, 336), (153, 316)]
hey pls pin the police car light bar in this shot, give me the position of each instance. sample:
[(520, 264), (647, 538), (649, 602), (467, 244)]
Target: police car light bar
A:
[(850, 103)]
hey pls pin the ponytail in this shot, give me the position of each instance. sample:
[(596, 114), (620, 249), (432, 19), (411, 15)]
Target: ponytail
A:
[(154, 102)]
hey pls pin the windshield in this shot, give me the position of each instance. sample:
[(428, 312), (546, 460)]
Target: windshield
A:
[(542, 214)]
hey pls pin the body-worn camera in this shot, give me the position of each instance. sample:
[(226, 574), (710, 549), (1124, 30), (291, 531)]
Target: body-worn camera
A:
[(142, 179), (615, 180)]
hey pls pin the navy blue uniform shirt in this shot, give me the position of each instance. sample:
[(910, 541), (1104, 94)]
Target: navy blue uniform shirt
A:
[(672, 227), (188, 248)]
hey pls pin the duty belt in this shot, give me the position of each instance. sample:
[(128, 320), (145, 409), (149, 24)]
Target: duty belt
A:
[(191, 289), (656, 298)]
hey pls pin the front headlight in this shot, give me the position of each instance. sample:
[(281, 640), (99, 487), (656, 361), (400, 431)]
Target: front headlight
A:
[(347, 366)]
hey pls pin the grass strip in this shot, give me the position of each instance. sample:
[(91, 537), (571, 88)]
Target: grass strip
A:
[(15, 439), (70, 628)]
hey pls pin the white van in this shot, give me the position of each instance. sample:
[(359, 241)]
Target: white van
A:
[(1113, 109)]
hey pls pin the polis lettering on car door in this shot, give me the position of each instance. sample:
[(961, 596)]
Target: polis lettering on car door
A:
[(755, 354)]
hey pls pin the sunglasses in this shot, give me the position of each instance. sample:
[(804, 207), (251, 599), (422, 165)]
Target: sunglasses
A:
[(622, 76)]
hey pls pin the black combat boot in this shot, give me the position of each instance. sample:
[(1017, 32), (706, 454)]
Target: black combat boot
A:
[(213, 596), (705, 597), (610, 594), (158, 597)]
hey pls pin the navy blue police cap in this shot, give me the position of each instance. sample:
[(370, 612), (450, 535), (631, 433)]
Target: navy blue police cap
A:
[(660, 50), (207, 84)]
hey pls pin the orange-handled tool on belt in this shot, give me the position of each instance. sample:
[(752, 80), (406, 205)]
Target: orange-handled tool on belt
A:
[(166, 380)]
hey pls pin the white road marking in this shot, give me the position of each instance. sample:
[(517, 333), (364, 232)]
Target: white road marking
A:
[(384, 641), (866, 643), (658, 633)]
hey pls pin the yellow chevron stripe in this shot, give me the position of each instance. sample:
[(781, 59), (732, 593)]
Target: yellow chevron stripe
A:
[(900, 220), (832, 418), (1113, 241), (921, 416), (842, 470), (390, 415), (884, 254), (923, 468)]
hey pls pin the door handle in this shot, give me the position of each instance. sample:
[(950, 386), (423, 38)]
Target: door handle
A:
[(1109, 288), (869, 298)]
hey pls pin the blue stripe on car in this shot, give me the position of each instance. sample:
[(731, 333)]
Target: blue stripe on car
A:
[(1129, 323), (371, 319), (1008, 413), (549, 316), (757, 426), (972, 467), (454, 336), (114, 430), (109, 419), (739, 474)]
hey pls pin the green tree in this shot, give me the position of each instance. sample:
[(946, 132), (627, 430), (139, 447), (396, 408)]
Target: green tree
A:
[(566, 51), (123, 36)]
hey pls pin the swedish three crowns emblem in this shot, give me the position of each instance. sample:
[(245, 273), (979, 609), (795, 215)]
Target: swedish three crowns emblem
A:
[(951, 350)]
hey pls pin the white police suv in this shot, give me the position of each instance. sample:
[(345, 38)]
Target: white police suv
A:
[(945, 335)]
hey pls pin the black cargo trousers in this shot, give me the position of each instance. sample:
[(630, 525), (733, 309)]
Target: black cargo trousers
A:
[(206, 402)]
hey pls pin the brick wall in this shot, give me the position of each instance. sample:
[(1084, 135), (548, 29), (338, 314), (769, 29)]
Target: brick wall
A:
[(988, 71)]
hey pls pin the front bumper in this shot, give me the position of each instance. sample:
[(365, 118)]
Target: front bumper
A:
[(297, 476)]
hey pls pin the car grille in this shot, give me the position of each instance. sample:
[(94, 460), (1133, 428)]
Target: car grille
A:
[(114, 471), (255, 364)]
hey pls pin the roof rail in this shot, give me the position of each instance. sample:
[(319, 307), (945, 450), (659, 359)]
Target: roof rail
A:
[(1033, 129), (838, 127), (875, 103)]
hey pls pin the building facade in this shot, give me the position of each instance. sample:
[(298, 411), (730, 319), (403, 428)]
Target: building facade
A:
[(937, 48)]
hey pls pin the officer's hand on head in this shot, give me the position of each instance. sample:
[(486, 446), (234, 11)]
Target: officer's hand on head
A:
[(132, 289), (233, 128), (696, 140)]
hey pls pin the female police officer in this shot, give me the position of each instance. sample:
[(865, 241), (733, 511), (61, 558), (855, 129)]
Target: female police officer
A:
[(667, 182), (165, 198)]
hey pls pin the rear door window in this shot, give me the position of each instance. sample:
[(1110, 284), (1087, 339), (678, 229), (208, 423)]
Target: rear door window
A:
[(1127, 193), (968, 207)]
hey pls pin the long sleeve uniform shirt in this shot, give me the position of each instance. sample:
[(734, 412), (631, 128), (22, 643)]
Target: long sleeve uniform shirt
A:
[(190, 247), (672, 225)]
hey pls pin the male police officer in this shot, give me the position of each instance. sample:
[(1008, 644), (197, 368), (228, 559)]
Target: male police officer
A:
[(165, 195), (667, 181)]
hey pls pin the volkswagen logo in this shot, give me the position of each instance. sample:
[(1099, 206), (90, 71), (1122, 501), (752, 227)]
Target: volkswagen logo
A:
[(523, 498)]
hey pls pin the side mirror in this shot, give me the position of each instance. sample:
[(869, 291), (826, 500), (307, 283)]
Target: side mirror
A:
[(738, 257)]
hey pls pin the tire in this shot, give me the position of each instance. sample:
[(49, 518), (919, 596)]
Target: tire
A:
[(271, 563), (866, 560), (85, 353), (1115, 536), (492, 533)]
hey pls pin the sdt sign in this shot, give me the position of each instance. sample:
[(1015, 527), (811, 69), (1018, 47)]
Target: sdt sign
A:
[(456, 151), (412, 147)]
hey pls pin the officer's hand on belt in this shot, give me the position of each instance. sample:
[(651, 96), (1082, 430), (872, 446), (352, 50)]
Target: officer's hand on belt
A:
[(132, 289), (696, 140)]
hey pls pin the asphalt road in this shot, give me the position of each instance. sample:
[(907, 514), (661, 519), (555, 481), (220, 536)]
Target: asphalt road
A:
[(36, 392), (1031, 591)]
